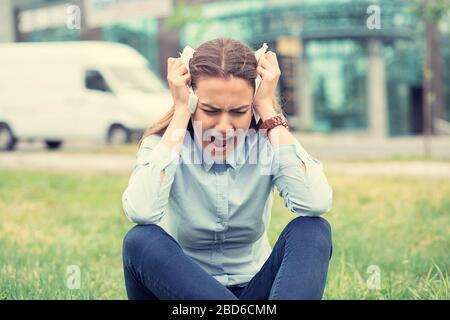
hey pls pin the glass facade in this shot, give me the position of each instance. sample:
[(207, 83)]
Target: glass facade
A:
[(403, 87), (337, 72), (141, 34), (56, 34), (333, 35)]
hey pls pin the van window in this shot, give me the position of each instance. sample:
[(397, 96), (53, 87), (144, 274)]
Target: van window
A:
[(137, 79), (95, 81)]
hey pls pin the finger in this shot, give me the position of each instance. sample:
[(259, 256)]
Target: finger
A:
[(272, 62), (266, 64), (272, 57), (181, 69), (182, 80), (170, 62), (173, 63), (265, 74), (186, 78), (178, 62), (176, 68)]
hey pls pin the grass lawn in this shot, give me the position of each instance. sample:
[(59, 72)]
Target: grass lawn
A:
[(50, 221)]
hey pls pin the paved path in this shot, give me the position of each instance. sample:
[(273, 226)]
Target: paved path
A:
[(64, 162), (331, 149), (414, 169), (123, 164), (361, 147)]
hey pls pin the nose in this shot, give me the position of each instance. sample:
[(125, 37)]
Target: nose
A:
[(224, 124)]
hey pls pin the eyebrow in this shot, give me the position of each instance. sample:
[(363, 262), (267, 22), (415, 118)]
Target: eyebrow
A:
[(218, 108)]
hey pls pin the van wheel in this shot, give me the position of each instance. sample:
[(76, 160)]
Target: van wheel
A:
[(53, 144), (7, 139), (118, 134)]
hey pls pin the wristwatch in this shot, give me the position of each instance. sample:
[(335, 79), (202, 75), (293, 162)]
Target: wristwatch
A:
[(278, 120)]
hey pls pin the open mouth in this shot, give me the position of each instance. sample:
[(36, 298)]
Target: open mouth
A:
[(219, 144)]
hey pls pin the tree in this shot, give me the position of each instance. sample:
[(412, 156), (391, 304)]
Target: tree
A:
[(184, 14), (430, 13)]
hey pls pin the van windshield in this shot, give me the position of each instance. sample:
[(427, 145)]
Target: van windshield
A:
[(137, 79)]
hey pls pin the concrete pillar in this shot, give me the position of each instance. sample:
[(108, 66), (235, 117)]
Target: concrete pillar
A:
[(168, 43), (305, 112), (376, 90), (7, 21)]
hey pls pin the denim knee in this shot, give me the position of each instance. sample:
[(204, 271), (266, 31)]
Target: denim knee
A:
[(140, 235), (313, 230)]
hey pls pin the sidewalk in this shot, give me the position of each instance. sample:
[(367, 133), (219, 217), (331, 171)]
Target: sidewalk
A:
[(346, 155), (409, 169), (362, 147), (123, 165)]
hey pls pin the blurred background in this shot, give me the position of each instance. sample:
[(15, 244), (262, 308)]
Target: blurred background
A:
[(365, 86), (372, 68)]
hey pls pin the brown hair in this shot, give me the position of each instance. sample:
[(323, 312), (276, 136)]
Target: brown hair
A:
[(223, 58)]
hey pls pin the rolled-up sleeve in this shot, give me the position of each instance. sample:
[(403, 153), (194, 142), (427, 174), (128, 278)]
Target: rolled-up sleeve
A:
[(304, 188), (145, 199)]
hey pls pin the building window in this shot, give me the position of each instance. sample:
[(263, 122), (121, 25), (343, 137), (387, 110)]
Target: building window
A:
[(337, 70)]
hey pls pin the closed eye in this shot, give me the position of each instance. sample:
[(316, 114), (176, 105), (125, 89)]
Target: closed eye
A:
[(216, 111), (211, 111)]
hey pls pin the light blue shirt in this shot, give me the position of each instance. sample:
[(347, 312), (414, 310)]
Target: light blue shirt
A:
[(220, 213)]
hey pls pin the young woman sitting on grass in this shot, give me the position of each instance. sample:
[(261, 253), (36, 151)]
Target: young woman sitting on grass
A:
[(202, 189)]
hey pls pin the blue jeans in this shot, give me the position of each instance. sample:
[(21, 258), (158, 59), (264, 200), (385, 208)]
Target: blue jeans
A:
[(156, 267)]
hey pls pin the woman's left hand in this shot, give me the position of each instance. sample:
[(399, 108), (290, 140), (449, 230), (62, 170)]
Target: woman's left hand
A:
[(270, 72)]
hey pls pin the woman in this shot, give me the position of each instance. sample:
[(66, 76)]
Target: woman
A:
[(202, 189)]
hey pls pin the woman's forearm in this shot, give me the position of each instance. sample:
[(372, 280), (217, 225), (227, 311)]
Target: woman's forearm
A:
[(146, 197), (176, 130), (278, 135)]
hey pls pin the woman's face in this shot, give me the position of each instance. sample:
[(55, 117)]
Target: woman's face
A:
[(224, 111)]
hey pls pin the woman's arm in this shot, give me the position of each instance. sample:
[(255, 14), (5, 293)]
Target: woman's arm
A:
[(298, 177), (300, 180), (146, 196)]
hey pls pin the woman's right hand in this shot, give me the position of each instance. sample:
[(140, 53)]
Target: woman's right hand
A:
[(178, 78)]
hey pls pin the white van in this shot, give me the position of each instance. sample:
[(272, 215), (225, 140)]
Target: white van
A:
[(96, 91)]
